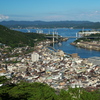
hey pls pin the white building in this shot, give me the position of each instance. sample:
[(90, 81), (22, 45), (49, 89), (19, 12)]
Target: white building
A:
[(34, 57), (86, 33)]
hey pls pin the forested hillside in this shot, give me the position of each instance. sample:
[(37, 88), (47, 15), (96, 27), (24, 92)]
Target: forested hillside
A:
[(14, 38)]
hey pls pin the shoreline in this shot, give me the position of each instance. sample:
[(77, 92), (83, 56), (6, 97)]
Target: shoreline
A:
[(87, 45)]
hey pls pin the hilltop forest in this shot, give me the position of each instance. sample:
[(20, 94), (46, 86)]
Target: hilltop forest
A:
[(14, 38)]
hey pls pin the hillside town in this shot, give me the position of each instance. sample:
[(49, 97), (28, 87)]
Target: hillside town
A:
[(55, 68)]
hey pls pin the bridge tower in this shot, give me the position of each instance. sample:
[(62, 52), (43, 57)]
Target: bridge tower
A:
[(53, 39)]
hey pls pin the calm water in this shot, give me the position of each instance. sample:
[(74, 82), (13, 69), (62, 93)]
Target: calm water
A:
[(66, 47)]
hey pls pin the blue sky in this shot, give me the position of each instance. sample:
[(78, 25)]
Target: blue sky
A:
[(50, 10)]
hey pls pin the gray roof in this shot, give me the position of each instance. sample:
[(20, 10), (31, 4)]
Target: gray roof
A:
[(94, 60)]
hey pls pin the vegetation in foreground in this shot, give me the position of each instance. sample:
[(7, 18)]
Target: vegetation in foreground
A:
[(40, 91)]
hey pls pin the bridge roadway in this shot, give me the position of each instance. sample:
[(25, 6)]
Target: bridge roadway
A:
[(69, 37), (51, 48), (61, 37), (68, 55)]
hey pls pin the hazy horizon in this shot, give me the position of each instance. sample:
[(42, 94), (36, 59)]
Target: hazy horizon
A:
[(50, 10)]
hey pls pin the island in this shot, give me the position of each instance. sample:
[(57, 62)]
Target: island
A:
[(89, 40)]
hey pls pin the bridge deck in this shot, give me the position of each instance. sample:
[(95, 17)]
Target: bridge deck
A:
[(70, 37)]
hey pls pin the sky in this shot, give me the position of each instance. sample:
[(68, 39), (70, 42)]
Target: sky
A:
[(50, 10)]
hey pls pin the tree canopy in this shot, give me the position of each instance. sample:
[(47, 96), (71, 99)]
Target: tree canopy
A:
[(40, 91), (14, 38)]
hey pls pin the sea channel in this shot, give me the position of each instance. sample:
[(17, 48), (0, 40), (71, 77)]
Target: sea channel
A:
[(66, 46)]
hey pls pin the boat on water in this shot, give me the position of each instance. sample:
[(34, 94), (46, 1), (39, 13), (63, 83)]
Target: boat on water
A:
[(59, 44)]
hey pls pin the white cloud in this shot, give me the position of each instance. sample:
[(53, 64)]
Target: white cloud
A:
[(2, 17), (96, 11)]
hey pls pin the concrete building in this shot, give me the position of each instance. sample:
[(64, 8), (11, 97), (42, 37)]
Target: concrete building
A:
[(86, 33), (34, 57)]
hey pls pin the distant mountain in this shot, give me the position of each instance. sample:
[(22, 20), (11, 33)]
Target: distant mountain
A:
[(51, 24)]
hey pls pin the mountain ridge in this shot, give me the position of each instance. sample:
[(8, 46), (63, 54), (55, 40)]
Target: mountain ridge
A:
[(50, 24)]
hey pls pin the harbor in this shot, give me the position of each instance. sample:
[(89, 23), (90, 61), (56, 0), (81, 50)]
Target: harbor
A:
[(65, 45)]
